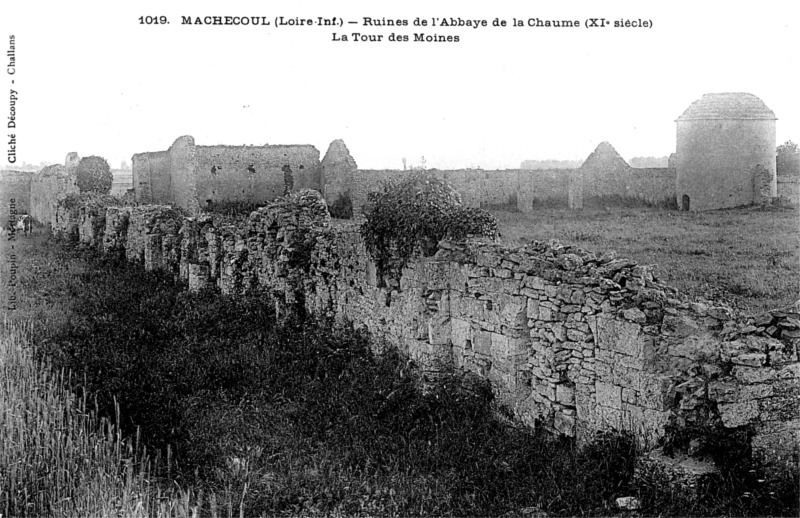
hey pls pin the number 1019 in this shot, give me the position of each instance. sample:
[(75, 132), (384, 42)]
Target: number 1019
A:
[(153, 20)]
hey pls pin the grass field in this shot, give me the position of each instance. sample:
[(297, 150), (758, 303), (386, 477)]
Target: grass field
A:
[(748, 258), (290, 420)]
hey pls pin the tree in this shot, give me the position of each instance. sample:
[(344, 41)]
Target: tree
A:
[(788, 159), (94, 175)]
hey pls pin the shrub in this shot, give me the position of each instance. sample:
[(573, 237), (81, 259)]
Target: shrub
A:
[(94, 175), (411, 216)]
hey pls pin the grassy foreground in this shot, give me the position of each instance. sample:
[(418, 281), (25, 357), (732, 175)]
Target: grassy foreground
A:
[(58, 458), (748, 257), (292, 419)]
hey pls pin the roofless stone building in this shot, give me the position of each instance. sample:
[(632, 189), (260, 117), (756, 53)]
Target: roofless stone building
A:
[(725, 152), (193, 177)]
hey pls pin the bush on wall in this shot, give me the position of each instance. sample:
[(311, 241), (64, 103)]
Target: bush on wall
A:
[(410, 217), (94, 175)]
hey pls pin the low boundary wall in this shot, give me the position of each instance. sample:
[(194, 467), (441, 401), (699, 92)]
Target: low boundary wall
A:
[(570, 340)]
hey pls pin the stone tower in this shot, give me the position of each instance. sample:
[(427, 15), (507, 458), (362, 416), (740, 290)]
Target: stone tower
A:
[(725, 150)]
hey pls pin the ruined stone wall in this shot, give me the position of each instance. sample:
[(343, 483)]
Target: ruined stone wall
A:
[(151, 181), (479, 188), (14, 185), (527, 190), (254, 174), (49, 186), (371, 180), (570, 340), (182, 174), (788, 189), (654, 185), (717, 161), (509, 188), (81, 217), (543, 186), (605, 176), (193, 177), (167, 176)]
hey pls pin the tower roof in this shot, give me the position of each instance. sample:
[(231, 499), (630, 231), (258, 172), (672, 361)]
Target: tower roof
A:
[(732, 105)]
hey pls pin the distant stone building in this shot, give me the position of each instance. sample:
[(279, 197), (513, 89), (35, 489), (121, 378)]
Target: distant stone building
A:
[(338, 168), (605, 178), (725, 152), (193, 177)]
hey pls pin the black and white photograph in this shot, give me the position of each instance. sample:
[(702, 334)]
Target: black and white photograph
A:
[(350, 259)]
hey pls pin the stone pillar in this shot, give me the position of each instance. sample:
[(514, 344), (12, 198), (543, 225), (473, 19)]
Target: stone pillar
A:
[(153, 259), (198, 277)]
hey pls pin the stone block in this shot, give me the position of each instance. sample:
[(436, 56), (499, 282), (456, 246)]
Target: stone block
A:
[(533, 309), (719, 313), (536, 283), (619, 335), (625, 377), (512, 310), (577, 336), (738, 414), (565, 394), (482, 342), (502, 273), (546, 390), (439, 331), (564, 424), (499, 346), (546, 314), (679, 325), (731, 392), (750, 359), (459, 332), (577, 297), (754, 374), (488, 258), (608, 395), (634, 315)]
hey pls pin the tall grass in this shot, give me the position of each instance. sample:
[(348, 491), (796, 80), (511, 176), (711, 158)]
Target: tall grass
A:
[(58, 458)]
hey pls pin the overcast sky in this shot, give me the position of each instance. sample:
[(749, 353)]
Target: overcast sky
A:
[(91, 79)]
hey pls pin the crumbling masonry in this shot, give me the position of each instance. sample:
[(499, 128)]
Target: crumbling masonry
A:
[(572, 341)]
